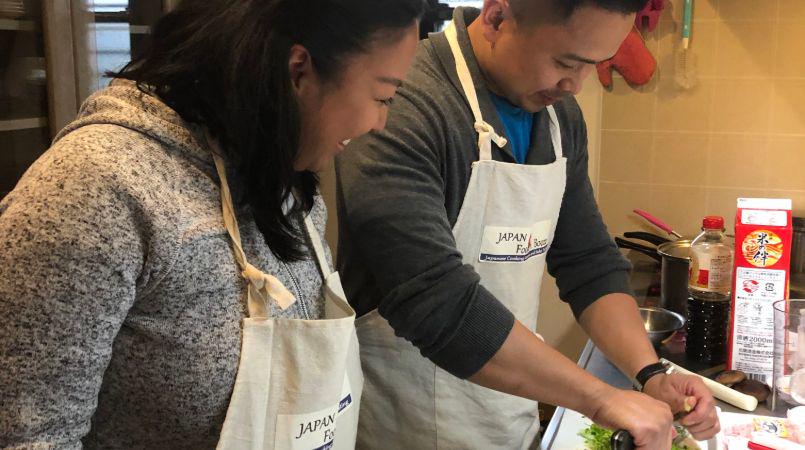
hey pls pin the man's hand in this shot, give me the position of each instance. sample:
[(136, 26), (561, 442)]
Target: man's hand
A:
[(677, 390), (646, 419)]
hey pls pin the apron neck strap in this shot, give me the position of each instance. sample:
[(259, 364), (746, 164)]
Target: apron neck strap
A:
[(262, 286), (486, 134), (556, 133), (318, 247)]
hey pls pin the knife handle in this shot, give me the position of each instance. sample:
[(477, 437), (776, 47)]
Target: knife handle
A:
[(622, 440)]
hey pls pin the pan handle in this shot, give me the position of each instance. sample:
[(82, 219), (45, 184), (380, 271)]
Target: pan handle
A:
[(648, 237), (646, 250)]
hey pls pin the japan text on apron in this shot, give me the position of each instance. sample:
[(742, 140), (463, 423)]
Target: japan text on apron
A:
[(504, 229), (299, 382)]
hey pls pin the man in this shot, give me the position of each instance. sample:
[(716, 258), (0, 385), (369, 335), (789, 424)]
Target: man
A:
[(448, 219)]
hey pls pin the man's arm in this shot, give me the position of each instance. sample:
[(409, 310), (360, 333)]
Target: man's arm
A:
[(614, 324), (391, 200)]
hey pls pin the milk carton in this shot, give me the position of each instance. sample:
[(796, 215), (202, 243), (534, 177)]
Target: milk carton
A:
[(763, 235)]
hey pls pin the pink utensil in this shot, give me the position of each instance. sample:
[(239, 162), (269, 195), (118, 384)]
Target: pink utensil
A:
[(657, 222)]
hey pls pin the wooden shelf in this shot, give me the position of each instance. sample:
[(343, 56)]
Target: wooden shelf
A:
[(23, 124), (17, 25)]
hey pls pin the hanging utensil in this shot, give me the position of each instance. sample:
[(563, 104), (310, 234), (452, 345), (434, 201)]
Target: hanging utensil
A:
[(657, 222)]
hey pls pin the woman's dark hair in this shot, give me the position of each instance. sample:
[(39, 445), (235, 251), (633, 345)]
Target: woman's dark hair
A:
[(224, 64)]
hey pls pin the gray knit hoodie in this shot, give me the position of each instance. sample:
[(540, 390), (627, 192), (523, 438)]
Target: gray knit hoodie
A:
[(120, 299)]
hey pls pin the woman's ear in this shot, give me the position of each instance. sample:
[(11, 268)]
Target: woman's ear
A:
[(300, 68)]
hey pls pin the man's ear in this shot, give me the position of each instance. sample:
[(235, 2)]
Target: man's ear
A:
[(493, 15)]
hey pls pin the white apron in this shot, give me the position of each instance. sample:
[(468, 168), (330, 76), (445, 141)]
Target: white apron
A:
[(299, 382), (504, 229)]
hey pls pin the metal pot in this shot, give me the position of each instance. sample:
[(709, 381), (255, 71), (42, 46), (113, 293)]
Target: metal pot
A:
[(674, 257)]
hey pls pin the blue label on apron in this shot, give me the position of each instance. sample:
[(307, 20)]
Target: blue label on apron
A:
[(326, 446)]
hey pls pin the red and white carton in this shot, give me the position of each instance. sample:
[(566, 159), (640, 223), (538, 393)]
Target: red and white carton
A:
[(763, 234)]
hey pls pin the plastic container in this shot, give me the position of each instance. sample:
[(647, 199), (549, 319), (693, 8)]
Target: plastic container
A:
[(709, 283)]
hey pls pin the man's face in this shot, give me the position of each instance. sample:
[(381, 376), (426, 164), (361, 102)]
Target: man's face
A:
[(535, 66)]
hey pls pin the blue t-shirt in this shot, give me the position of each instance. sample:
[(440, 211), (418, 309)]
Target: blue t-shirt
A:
[(518, 123)]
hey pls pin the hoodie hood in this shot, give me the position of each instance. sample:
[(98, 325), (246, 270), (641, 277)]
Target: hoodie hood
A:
[(123, 104)]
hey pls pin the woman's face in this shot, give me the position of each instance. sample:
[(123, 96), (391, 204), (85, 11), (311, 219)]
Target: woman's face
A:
[(355, 103)]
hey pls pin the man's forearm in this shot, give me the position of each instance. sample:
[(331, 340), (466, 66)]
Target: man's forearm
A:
[(527, 367), (613, 323)]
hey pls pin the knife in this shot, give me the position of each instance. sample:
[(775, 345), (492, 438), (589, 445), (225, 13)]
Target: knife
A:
[(623, 440)]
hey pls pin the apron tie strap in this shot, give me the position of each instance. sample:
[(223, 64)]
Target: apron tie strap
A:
[(268, 286), (262, 286), (486, 129)]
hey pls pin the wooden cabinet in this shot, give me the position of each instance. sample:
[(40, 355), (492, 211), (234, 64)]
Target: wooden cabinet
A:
[(53, 54)]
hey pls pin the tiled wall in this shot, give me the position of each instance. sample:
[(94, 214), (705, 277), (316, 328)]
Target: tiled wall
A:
[(682, 154)]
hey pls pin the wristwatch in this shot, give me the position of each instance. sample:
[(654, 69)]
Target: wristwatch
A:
[(647, 372)]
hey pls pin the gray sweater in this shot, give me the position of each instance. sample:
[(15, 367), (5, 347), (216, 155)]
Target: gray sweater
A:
[(400, 192), (120, 298)]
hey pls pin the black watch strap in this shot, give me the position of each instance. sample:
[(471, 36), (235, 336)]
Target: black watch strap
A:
[(647, 372)]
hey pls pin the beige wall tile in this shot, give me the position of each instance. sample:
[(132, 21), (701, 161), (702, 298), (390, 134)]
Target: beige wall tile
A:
[(701, 53), (625, 108), (723, 202), (743, 48), (683, 110), (626, 156), (787, 163), (616, 202), (742, 106), (797, 199), (788, 107), (738, 161), (747, 9), (680, 159), (680, 207), (792, 10), (702, 10), (791, 49), (590, 100)]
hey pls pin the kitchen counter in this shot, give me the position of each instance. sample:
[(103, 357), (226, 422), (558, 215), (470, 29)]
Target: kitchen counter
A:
[(644, 280), (592, 360)]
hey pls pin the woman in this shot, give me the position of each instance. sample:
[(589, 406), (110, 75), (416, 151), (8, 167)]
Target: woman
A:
[(162, 278)]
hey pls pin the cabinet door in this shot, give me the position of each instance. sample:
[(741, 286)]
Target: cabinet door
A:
[(108, 33), (53, 55), (24, 131)]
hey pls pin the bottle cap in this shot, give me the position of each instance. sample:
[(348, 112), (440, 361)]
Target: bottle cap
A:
[(713, 223)]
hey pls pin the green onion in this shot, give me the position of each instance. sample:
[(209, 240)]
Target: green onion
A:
[(598, 438)]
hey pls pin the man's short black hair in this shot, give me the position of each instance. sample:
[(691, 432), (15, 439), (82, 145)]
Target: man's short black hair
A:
[(552, 11)]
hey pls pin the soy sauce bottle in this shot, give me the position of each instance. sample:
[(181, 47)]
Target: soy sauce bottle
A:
[(709, 286)]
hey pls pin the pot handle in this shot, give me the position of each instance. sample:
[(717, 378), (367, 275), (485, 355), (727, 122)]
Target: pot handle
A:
[(648, 237), (646, 250)]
